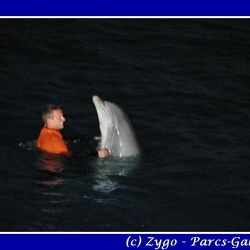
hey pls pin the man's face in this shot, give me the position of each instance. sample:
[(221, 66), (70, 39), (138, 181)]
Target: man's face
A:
[(57, 121)]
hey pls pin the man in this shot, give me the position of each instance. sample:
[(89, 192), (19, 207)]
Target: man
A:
[(50, 138)]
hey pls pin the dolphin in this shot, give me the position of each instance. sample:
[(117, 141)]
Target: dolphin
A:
[(117, 133)]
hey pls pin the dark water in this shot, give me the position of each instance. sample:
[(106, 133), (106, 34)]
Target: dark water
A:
[(184, 83)]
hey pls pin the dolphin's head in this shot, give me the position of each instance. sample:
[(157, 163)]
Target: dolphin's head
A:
[(107, 111), (106, 121), (101, 107), (117, 134)]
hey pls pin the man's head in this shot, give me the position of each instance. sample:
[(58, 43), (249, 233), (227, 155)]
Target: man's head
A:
[(53, 117)]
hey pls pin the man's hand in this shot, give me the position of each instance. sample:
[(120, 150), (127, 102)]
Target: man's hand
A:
[(103, 153)]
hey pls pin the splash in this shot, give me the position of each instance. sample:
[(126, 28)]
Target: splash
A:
[(29, 145)]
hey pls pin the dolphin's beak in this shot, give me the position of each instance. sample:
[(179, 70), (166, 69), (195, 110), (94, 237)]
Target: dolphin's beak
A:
[(95, 98), (99, 103)]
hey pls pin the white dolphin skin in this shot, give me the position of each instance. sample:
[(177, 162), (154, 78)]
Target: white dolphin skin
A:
[(117, 133)]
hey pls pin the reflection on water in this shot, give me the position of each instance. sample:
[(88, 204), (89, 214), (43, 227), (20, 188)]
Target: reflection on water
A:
[(101, 177), (116, 166), (60, 176), (105, 185), (100, 174), (52, 182), (51, 162), (107, 168)]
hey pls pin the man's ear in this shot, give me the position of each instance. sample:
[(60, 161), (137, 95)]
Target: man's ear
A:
[(48, 122)]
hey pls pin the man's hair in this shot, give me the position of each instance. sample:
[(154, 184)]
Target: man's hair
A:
[(48, 112)]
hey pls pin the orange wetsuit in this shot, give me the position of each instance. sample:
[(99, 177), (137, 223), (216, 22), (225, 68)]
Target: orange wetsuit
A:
[(51, 141)]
